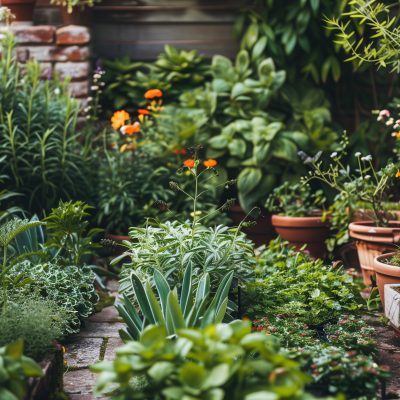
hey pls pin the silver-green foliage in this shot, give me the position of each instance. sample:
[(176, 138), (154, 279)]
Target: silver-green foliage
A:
[(170, 249), (15, 369), (192, 310)]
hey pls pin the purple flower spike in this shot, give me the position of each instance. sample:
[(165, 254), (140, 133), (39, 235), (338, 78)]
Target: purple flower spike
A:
[(99, 65)]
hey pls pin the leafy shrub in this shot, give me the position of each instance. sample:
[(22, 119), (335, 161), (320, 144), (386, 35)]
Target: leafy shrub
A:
[(336, 370), (38, 321), (172, 246), (217, 362), (68, 286), (288, 283), (294, 201), (15, 369)]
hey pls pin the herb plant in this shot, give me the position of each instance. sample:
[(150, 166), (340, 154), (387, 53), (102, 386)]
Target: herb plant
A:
[(217, 362), (75, 3), (294, 201), (16, 369), (365, 186)]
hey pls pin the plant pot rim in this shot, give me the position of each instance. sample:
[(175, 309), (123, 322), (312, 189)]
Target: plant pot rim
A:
[(386, 269), (4, 2), (366, 230), (300, 222)]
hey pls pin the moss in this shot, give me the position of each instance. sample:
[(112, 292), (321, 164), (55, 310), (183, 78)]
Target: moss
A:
[(103, 348), (105, 301)]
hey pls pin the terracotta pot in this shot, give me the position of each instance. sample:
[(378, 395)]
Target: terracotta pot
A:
[(299, 231), (260, 234), (385, 274), (118, 249), (364, 216), (22, 9), (78, 16), (372, 242)]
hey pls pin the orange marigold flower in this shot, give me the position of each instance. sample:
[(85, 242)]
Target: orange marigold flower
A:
[(398, 173), (119, 118), (131, 129), (143, 111), (180, 151), (150, 94), (189, 163), (210, 163), (397, 134)]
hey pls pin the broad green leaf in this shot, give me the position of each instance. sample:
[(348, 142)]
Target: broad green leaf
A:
[(175, 312), (242, 61), (155, 307), (163, 289), (248, 179)]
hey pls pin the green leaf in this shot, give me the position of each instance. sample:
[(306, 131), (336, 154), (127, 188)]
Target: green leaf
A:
[(248, 179), (242, 61), (262, 395), (155, 307), (186, 290), (30, 367), (193, 375), (218, 142), (251, 36), (265, 69), (325, 69), (15, 349), (176, 312), (141, 297), (237, 148), (258, 48), (163, 289)]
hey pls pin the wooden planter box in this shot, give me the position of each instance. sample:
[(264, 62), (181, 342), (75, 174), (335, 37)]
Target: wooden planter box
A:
[(45, 387), (392, 305)]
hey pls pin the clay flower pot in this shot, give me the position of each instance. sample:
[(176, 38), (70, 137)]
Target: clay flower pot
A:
[(77, 16), (299, 231), (22, 9), (385, 274), (260, 234), (372, 242)]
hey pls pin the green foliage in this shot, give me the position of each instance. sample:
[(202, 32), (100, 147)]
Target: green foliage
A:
[(4, 195), (35, 320), (215, 363), (171, 247), (294, 201), (75, 3), (289, 283), (174, 72), (335, 370), (37, 135), (15, 369), (67, 228), (192, 310), (387, 46), (67, 285)]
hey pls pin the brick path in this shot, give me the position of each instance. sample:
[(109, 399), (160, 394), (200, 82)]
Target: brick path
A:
[(96, 341)]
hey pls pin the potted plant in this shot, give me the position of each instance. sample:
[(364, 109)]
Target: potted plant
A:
[(299, 221), (76, 11), (381, 230), (19, 10)]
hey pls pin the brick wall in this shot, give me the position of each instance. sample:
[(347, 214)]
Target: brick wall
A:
[(66, 50)]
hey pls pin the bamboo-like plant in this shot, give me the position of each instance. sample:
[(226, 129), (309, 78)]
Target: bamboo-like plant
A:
[(193, 310), (37, 135)]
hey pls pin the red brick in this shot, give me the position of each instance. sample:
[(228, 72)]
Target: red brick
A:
[(73, 34), (33, 34), (76, 70), (52, 53), (79, 89)]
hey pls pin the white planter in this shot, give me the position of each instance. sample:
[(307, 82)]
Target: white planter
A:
[(392, 304)]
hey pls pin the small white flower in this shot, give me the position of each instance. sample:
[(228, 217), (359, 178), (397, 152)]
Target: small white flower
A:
[(94, 88), (57, 91), (87, 116), (102, 83), (358, 154), (393, 133), (334, 154), (395, 126), (22, 81), (368, 157), (367, 176), (89, 98), (96, 76)]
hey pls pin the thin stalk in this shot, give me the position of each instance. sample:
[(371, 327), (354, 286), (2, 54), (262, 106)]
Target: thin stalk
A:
[(33, 90)]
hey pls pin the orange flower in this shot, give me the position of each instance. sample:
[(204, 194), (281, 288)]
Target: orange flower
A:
[(210, 163), (397, 134), (189, 163), (131, 129), (398, 173), (142, 111), (181, 151), (150, 94), (119, 118)]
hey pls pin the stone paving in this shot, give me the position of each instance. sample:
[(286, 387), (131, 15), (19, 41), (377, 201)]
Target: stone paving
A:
[(97, 340)]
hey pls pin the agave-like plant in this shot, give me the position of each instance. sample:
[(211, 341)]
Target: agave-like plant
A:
[(188, 312)]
